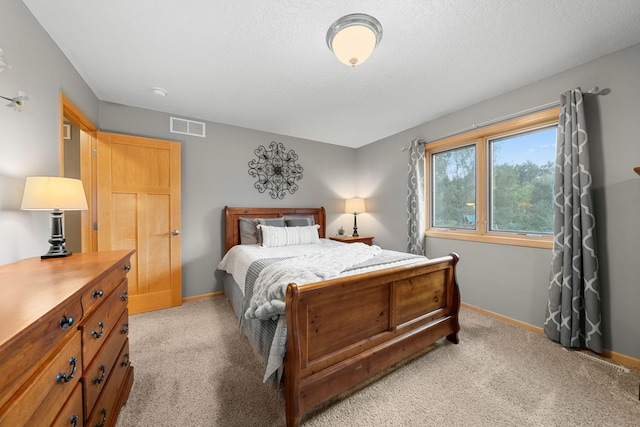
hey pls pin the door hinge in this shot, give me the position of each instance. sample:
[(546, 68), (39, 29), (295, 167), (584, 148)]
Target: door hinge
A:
[(94, 152), (95, 225)]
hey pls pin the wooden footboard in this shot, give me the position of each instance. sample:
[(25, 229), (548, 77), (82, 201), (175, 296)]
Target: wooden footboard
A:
[(343, 331)]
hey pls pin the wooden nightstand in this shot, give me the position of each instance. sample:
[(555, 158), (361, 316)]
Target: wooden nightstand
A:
[(368, 240)]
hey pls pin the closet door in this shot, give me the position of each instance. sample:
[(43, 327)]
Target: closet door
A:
[(138, 207)]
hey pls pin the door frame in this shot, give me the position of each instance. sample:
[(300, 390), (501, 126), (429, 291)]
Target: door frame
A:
[(69, 111)]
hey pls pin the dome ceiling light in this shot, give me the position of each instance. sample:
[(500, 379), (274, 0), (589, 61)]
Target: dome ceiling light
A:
[(353, 38)]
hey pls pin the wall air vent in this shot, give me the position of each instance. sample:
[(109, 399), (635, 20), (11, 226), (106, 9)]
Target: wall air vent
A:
[(187, 127)]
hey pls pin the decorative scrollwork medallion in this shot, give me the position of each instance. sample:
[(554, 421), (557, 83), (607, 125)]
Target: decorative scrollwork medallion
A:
[(276, 170)]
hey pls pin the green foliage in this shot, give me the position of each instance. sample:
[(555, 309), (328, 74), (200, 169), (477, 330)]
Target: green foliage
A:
[(455, 189), (521, 197)]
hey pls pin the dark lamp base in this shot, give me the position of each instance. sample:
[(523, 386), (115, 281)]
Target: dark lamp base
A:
[(355, 225), (55, 255), (57, 240)]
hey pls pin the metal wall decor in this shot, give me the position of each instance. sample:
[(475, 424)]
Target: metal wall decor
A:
[(276, 170)]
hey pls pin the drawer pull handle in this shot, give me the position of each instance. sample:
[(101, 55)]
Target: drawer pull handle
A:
[(125, 329), (64, 377), (104, 418), (124, 296), (97, 294), (73, 420), (97, 335), (97, 380), (125, 361), (126, 267), (66, 322)]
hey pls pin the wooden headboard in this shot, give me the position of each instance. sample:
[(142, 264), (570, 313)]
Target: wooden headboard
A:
[(232, 220)]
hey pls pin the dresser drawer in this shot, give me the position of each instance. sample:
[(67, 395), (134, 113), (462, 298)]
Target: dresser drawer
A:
[(71, 413), (101, 290), (119, 382), (98, 372), (99, 325), (19, 361), (42, 396)]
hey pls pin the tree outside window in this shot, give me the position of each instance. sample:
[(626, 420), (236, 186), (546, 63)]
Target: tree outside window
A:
[(495, 184)]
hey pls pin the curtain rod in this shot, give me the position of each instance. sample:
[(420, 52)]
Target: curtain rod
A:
[(593, 91)]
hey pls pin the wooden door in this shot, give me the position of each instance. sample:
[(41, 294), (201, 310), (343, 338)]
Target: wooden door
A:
[(138, 207)]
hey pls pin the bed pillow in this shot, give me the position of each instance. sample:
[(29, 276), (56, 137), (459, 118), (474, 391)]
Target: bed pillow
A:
[(298, 221), (272, 222), (248, 231), (288, 236)]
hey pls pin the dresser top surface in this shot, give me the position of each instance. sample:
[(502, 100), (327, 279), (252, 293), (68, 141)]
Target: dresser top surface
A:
[(32, 287)]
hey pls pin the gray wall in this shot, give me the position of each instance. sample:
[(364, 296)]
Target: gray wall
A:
[(510, 280), (215, 174), (29, 139)]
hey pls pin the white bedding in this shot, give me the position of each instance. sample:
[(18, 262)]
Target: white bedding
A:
[(237, 261), (271, 285)]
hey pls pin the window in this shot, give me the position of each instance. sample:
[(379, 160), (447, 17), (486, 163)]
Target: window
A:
[(454, 188), (495, 184)]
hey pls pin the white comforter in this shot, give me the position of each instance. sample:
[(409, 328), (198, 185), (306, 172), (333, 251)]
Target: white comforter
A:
[(238, 259), (271, 285)]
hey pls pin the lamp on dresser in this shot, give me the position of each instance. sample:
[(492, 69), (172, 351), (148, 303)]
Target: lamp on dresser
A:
[(55, 194), (354, 206)]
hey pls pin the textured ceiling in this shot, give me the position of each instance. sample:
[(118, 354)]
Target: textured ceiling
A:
[(265, 65)]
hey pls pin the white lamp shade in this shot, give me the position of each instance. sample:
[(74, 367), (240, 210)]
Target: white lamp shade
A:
[(353, 45), (48, 193), (355, 205)]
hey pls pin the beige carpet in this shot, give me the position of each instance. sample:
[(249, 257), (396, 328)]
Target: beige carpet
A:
[(194, 368)]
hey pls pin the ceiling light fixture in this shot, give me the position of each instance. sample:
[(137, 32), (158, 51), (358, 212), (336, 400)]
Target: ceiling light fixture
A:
[(353, 38), (158, 91)]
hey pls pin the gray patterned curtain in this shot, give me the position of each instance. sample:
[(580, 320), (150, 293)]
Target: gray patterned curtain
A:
[(573, 312), (415, 199)]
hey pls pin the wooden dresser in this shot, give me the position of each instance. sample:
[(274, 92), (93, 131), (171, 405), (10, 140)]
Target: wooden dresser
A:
[(64, 351)]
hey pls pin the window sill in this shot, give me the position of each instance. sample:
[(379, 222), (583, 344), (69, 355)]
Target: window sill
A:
[(545, 242)]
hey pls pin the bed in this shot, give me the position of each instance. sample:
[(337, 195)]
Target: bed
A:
[(342, 331)]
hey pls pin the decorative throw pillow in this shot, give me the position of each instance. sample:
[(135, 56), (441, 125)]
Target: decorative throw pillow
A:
[(272, 222), (298, 221), (248, 231), (288, 236)]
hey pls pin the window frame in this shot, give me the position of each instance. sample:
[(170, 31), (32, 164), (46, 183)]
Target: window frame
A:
[(480, 137)]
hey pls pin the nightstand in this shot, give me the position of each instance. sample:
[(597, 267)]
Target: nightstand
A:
[(368, 240)]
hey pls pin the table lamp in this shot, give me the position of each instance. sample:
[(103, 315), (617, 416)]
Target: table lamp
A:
[(56, 194), (354, 206)]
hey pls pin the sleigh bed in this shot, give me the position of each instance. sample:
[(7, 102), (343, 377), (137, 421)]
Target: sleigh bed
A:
[(342, 331)]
